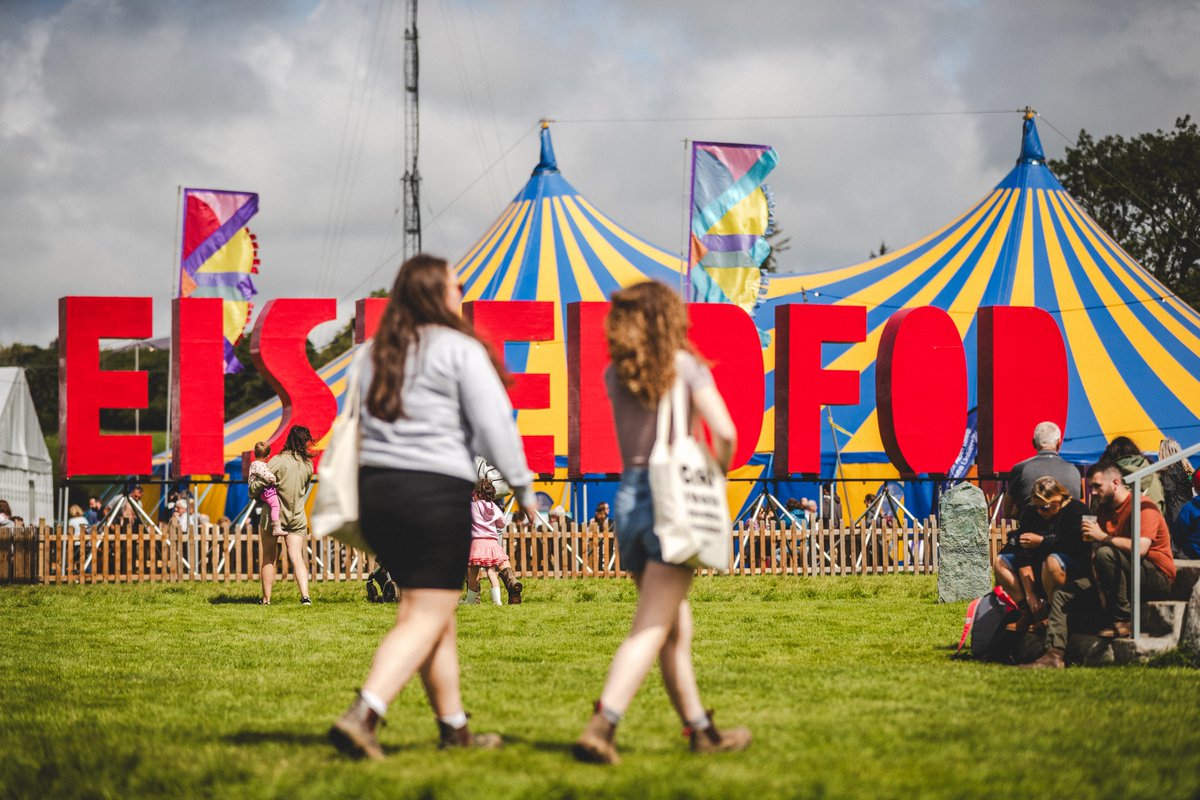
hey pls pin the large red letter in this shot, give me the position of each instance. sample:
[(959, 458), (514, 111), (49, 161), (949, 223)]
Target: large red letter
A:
[(498, 322), (83, 388), (1022, 381), (198, 387), (591, 434), (802, 386), (367, 313), (278, 349), (921, 390), (726, 336)]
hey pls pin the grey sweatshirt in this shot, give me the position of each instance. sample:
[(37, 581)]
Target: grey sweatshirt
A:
[(455, 407)]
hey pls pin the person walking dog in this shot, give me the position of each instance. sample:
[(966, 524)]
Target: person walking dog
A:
[(433, 396), (647, 341)]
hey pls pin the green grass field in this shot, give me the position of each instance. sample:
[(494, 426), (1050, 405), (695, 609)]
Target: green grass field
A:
[(847, 684)]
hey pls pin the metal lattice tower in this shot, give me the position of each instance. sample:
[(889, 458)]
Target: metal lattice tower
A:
[(412, 136)]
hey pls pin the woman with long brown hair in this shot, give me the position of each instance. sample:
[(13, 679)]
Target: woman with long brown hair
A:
[(647, 341), (293, 470), (433, 397)]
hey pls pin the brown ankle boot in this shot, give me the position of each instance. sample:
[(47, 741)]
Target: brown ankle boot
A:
[(711, 740), (1051, 659), (354, 731), (462, 737), (513, 586), (595, 744)]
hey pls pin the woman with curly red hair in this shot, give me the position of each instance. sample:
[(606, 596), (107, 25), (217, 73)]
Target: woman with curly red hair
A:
[(647, 342)]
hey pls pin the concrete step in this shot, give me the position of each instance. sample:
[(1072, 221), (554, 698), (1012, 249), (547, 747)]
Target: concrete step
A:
[(1163, 618), (1162, 626), (1187, 575)]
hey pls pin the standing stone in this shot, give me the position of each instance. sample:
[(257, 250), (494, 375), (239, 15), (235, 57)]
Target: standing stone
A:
[(963, 569)]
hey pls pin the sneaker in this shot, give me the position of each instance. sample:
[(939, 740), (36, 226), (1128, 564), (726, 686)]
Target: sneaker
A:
[(304, 601)]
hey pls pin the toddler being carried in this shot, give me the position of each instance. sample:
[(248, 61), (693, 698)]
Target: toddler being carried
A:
[(268, 494)]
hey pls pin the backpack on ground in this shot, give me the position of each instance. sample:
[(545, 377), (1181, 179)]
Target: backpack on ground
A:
[(986, 623)]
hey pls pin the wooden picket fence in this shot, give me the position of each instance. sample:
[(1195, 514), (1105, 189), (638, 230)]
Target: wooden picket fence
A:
[(128, 554)]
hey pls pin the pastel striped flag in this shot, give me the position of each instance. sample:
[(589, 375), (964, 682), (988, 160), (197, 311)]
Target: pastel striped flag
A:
[(730, 220), (219, 256)]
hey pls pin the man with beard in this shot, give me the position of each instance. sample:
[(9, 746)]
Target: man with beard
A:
[(1111, 537)]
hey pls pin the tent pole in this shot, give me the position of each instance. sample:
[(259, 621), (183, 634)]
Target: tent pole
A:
[(837, 452), (685, 258), (176, 287)]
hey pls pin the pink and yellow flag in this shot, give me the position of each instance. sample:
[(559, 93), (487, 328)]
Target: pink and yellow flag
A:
[(219, 256)]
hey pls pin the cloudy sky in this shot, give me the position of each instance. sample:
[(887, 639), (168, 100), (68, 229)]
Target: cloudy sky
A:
[(108, 106)]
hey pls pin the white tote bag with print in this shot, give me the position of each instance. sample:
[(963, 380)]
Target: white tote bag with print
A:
[(691, 510), (335, 511)]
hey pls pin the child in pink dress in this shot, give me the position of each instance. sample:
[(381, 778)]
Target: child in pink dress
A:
[(268, 495), (487, 523)]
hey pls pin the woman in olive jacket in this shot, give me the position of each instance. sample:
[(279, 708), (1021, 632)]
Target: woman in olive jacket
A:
[(293, 468)]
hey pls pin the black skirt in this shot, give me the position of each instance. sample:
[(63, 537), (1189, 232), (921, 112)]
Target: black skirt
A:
[(419, 524)]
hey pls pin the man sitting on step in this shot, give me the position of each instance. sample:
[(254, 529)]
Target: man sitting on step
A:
[(1111, 536)]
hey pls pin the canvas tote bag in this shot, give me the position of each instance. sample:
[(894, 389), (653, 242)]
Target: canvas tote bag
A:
[(691, 510), (335, 511)]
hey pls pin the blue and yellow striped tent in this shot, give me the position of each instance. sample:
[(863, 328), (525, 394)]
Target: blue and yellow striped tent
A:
[(1133, 348)]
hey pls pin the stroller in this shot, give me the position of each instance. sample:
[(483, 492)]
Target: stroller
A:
[(380, 587)]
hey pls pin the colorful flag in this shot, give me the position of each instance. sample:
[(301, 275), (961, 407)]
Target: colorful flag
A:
[(219, 256), (730, 220)]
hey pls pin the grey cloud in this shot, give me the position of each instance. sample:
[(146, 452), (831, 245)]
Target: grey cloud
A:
[(130, 101)]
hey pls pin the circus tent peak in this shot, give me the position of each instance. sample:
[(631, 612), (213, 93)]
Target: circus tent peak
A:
[(1133, 348), (550, 243)]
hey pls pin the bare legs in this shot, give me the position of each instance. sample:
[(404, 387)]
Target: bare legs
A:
[(295, 549), (270, 554), (473, 587), (423, 638), (1008, 579), (266, 573), (1054, 577), (662, 628)]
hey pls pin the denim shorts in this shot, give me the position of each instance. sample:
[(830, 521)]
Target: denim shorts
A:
[(633, 517), (1074, 567)]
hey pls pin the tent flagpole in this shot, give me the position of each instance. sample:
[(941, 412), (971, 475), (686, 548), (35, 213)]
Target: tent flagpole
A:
[(176, 288), (685, 259), (837, 451)]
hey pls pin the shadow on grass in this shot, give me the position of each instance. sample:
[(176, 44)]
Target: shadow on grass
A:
[(541, 745), (234, 599), (252, 737), (318, 739)]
